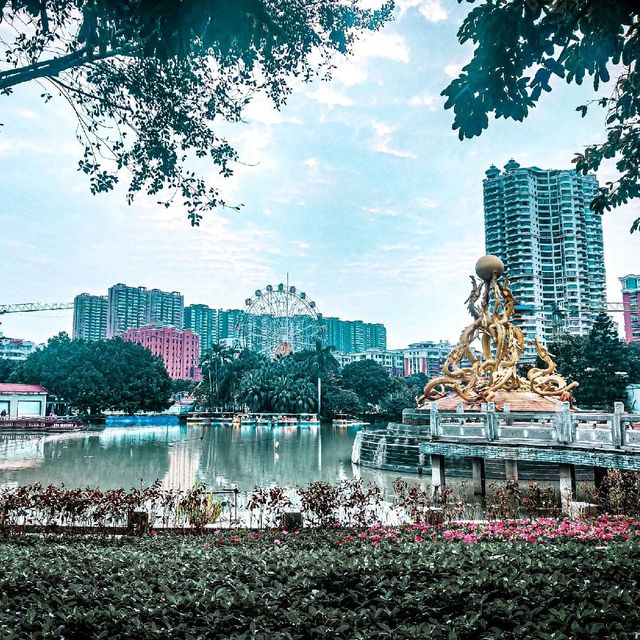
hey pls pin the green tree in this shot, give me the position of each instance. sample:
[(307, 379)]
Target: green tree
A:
[(337, 400), (179, 387), (519, 45), (369, 380), (393, 403), (149, 82), (213, 366), (600, 362), (7, 367), (257, 390), (97, 376)]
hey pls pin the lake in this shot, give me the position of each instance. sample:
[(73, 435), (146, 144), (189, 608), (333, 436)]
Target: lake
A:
[(177, 455)]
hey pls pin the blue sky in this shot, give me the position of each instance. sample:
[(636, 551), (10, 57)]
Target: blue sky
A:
[(358, 188)]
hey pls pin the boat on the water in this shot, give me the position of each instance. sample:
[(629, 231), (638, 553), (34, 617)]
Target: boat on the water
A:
[(347, 420), (287, 420), (49, 423), (141, 420), (308, 420)]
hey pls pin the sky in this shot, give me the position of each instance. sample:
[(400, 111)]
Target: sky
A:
[(357, 188)]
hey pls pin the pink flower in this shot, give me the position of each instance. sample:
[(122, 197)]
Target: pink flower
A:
[(419, 538), (206, 545), (276, 541)]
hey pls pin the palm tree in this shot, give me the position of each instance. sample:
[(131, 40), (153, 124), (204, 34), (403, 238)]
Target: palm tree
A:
[(213, 365)]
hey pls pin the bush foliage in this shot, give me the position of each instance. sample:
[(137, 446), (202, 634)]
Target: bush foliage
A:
[(309, 587)]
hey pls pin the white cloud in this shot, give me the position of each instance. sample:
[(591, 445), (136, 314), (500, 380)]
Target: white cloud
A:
[(431, 10), (383, 147), (301, 247), (376, 212), (428, 203), (382, 45), (424, 100), (312, 163), (383, 141), (348, 73), (330, 97), (382, 130), (453, 69)]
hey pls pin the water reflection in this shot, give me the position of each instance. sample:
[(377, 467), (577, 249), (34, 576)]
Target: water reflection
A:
[(221, 456)]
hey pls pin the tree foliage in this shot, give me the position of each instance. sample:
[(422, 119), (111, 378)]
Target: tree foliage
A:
[(600, 362), (521, 44), (237, 380), (7, 367), (98, 376), (150, 80), (369, 380)]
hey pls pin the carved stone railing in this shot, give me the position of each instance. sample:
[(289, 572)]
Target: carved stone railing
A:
[(562, 427)]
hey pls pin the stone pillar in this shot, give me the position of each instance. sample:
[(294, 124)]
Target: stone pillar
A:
[(618, 436), (437, 473), (479, 484), (433, 419), (565, 432), (567, 486), (511, 469)]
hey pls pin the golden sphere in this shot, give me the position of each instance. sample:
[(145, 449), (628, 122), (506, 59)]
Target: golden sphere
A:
[(487, 265)]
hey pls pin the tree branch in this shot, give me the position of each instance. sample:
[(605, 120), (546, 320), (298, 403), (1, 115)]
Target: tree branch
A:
[(53, 67)]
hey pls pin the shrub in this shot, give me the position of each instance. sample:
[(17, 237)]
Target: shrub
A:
[(279, 586)]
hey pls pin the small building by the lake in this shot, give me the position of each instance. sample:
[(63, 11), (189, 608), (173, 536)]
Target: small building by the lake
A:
[(22, 400)]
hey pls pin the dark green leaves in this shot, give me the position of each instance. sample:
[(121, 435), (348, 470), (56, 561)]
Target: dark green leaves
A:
[(94, 376), (150, 80), (173, 587)]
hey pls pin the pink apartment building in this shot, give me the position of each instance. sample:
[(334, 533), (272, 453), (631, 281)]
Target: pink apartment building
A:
[(631, 306), (179, 349)]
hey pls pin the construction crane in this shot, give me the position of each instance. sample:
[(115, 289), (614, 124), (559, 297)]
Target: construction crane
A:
[(34, 306)]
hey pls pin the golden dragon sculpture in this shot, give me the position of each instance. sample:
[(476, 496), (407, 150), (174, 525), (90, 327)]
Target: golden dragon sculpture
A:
[(502, 345)]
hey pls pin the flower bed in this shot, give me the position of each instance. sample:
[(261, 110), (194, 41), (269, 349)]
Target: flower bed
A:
[(601, 530), (388, 583)]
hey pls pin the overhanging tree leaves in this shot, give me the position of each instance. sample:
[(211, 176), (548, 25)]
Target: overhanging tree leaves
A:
[(149, 79), (521, 44)]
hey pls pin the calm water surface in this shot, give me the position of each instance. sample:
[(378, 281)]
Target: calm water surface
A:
[(221, 456)]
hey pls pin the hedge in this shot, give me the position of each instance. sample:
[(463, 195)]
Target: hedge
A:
[(274, 585)]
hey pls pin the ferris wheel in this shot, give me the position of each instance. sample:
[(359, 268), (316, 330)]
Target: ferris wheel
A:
[(279, 320)]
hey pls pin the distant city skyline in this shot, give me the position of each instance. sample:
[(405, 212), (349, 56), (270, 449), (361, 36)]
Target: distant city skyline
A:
[(357, 187)]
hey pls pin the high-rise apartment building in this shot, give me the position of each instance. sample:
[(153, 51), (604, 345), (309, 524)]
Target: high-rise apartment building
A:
[(353, 336), (203, 320), (631, 307), (90, 317), (179, 350), (228, 323), (165, 308), (133, 307), (539, 222)]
